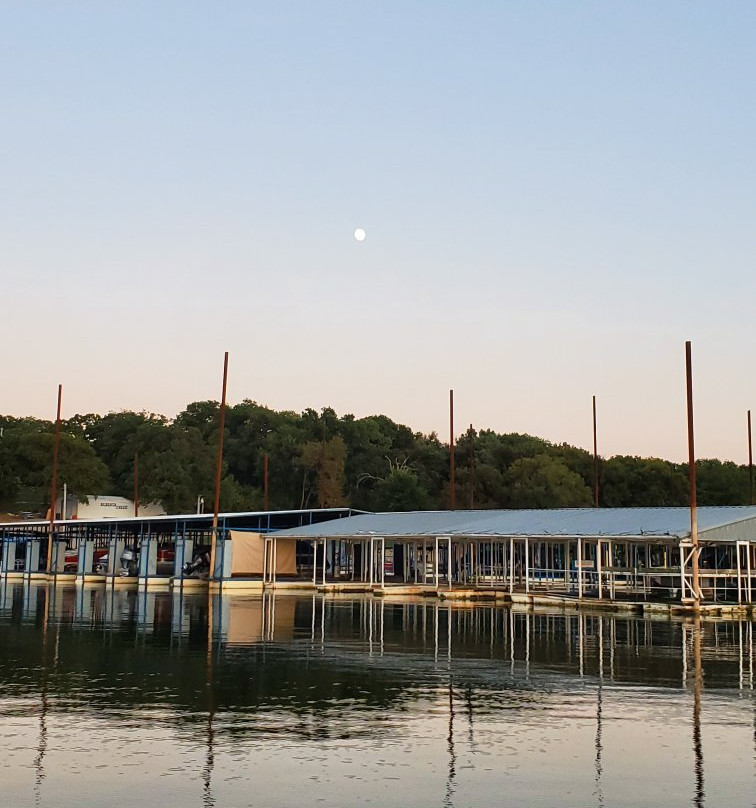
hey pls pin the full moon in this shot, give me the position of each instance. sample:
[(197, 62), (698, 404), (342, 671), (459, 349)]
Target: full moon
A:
[(360, 234)]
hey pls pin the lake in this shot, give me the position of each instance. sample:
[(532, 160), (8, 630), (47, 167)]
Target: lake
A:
[(111, 697)]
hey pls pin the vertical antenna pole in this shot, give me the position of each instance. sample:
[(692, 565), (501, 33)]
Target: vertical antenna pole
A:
[(471, 436), (595, 460), (265, 481), (136, 483), (692, 473), (750, 461), (218, 469), (452, 483), (54, 492)]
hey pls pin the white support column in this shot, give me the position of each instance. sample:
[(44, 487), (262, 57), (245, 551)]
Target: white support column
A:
[(740, 584), (372, 560), (748, 572), (511, 566), (598, 568), (266, 542), (682, 572), (449, 572), (325, 556), (425, 562), (579, 566), (612, 574), (435, 564), (527, 564), (383, 564), (275, 560)]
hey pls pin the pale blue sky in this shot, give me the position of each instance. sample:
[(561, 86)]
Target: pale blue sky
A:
[(557, 195)]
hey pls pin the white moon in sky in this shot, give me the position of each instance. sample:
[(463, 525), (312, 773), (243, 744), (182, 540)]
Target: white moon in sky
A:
[(360, 234)]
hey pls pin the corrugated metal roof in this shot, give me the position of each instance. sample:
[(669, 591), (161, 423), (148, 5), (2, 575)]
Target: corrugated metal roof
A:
[(172, 517), (619, 522)]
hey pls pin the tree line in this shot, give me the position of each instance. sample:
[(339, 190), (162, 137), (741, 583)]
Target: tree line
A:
[(318, 459)]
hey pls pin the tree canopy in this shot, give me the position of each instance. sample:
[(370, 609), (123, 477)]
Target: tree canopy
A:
[(321, 459)]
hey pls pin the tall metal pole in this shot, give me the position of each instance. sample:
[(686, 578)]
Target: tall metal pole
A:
[(218, 468), (136, 483), (595, 460), (265, 481), (750, 461), (472, 466), (54, 487), (452, 483), (692, 473)]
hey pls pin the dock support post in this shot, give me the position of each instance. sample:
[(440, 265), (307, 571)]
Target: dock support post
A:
[(449, 565), (383, 563), (579, 566), (748, 571), (435, 564), (511, 566), (598, 569), (527, 565), (275, 559)]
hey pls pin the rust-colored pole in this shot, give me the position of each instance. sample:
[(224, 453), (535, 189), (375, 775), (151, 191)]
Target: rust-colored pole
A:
[(471, 437), (265, 481), (218, 468), (54, 487), (750, 460), (136, 483), (452, 483), (692, 473), (595, 460)]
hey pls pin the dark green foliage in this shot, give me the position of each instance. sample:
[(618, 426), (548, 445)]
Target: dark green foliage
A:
[(321, 459)]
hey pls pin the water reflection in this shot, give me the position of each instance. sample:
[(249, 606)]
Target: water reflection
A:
[(333, 698)]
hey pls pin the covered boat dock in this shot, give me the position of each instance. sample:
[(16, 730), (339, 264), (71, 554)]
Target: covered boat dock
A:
[(607, 554)]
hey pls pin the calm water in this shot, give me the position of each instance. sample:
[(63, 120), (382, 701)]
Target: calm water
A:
[(113, 698)]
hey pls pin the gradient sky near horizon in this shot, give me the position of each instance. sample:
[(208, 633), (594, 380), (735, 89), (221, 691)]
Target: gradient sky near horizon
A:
[(556, 196)]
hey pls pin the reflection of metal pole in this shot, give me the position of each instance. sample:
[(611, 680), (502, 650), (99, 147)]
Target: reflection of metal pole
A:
[(42, 743), (218, 468), (54, 493), (208, 800), (699, 797), (599, 718), (450, 746)]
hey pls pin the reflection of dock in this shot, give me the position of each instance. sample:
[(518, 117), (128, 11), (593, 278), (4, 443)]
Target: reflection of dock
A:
[(587, 644)]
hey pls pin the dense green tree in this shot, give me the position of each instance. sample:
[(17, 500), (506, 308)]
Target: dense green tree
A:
[(642, 482), (317, 458), (400, 490), (545, 482)]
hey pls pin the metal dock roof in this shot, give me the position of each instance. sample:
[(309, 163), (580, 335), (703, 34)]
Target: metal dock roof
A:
[(729, 523)]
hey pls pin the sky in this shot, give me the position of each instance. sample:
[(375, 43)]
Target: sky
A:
[(556, 197)]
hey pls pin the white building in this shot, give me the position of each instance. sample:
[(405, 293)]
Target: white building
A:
[(104, 507)]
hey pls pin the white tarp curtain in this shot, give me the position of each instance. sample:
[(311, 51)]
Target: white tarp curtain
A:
[(249, 552)]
